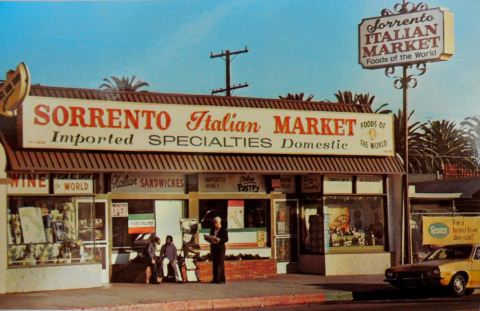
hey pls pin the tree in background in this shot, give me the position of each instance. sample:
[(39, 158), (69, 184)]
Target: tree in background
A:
[(297, 97), (418, 160), (471, 125), (449, 144), (123, 84), (431, 145), (347, 97)]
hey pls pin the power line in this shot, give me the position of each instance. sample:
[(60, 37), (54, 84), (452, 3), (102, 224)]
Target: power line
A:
[(228, 88)]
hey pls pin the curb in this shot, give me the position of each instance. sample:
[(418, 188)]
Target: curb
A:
[(223, 303)]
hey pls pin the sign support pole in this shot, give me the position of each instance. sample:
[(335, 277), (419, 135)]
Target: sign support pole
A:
[(405, 82)]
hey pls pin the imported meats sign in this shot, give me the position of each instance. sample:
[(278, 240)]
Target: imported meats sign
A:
[(64, 123), (422, 36)]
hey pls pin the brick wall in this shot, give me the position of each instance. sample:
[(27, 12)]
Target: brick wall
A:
[(240, 269)]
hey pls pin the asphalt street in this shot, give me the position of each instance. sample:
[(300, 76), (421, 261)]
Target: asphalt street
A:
[(469, 303)]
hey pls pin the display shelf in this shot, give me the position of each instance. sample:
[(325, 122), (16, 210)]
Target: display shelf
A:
[(356, 249)]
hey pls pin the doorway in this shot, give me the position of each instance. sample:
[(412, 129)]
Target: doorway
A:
[(286, 234)]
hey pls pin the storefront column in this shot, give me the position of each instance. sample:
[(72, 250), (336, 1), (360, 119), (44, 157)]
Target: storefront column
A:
[(193, 210), (395, 224), (3, 221)]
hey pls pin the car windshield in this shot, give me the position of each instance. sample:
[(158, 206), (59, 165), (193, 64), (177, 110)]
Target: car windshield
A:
[(451, 252)]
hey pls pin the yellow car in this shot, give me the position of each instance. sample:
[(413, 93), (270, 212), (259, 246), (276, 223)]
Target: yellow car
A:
[(456, 267)]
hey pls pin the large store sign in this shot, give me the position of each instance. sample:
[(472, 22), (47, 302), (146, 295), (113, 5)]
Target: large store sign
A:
[(421, 36), (231, 183), (105, 125), (450, 230), (148, 183)]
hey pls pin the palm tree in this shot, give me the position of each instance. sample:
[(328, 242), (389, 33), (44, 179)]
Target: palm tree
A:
[(123, 84), (449, 145), (418, 155), (383, 109), (347, 97), (297, 97), (471, 125)]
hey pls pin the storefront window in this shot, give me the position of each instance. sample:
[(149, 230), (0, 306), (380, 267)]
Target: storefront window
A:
[(354, 223), (133, 221), (247, 220), (53, 230)]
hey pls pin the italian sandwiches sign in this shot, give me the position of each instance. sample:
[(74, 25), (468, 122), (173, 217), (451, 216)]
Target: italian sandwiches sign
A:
[(62, 123)]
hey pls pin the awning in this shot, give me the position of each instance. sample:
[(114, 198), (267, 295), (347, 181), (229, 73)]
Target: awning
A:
[(468, 188), (56, 161)]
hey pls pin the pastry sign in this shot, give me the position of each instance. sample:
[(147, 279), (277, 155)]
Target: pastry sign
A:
[(14, 89)]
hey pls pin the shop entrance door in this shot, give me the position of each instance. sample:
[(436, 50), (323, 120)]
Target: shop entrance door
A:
[(286, 234), (92, 230)]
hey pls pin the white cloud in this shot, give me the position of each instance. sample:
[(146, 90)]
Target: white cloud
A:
[(192, 32)]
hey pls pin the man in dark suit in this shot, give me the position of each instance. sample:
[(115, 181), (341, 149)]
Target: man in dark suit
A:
[(219, 236)]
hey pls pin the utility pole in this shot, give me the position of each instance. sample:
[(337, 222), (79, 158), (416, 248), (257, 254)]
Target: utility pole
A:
[(228, 88)]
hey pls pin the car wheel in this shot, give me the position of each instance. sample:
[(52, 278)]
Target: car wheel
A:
[(469, 291), (458, 285)]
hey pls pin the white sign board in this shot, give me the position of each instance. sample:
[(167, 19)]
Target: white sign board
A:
[(61, 123), (231, 183), (119, 209), (148, 183), (422, 36), (71, 184), (236, 214)]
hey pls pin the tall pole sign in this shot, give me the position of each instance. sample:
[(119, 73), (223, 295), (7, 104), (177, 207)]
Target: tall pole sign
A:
[(408, 37)]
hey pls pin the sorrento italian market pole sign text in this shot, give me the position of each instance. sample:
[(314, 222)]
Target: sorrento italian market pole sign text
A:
[(65, 123), (416, 37)]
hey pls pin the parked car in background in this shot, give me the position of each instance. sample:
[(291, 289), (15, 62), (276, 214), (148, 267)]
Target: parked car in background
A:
[(456, 267)]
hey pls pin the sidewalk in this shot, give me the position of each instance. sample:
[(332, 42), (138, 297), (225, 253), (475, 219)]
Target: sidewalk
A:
[(280, 290)]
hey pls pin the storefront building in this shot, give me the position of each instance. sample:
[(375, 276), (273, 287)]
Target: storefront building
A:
[(88, 175), (453, 203)]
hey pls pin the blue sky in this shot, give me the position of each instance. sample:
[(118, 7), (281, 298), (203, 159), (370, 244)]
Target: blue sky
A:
[(295, 46)]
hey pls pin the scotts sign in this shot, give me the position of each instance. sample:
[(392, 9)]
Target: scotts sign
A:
[(106, 125), (421, 36), (450, 230), (438, 230), (14, 89)]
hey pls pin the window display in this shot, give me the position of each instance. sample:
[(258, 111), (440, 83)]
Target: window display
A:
[(127, 216), (354, 222), (43, 231), (253, 213), (246, 220)]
